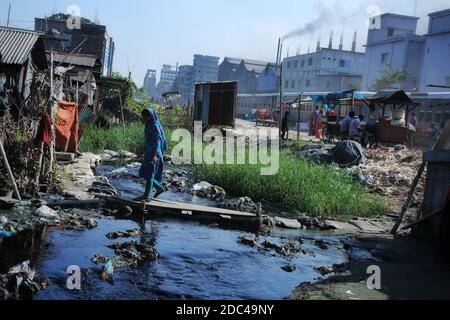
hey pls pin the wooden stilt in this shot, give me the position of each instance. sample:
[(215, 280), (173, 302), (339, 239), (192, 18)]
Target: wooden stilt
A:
[(8, 169)]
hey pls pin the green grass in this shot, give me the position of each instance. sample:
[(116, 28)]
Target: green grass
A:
[(96, 140), (299, 185)]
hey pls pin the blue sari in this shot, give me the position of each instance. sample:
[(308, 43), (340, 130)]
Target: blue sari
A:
[(155, 145)]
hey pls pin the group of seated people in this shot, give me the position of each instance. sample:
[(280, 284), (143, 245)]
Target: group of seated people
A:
[(351, 125), (351, 128)]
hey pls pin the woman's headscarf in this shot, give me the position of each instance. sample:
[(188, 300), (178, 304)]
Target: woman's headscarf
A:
[(159, 127)]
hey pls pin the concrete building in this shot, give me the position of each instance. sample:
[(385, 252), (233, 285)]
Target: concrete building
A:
[(436, 59), (327, 69), (166, 80), (392, 42), (90, 38), (184, 83), (150, 82), (205, 69), (252, 75)]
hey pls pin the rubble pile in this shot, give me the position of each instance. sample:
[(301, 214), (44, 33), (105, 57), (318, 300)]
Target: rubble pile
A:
[(175, 180), (122, 155), (288, 249), (244, 204), (135, 252), (390, 171), (21, 283), (206, 190)]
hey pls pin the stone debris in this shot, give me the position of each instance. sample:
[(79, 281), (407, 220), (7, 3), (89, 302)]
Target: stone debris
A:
[(248, 241), (104, 187), (46, 212), (175, 180), (243, 204), (289, 268), (208, 191), (110, 155), (21, 283), (287, 223), (127, 234), (134, 252)]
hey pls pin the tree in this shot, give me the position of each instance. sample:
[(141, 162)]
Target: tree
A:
[(389, 79)]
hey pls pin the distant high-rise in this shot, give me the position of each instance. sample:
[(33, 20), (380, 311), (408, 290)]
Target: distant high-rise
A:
[(166, 80), (184, 83), (150, 82), (205, 68)]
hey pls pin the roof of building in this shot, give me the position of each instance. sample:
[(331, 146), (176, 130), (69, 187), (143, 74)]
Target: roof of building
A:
[(16, 44), (398, 16), (85, 60), (250, 65), (438, 13)]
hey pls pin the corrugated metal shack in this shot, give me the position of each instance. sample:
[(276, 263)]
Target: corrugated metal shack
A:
[(215, 103), (435, 227)]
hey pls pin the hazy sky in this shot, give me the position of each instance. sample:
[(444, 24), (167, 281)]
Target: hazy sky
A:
[(150, 33)]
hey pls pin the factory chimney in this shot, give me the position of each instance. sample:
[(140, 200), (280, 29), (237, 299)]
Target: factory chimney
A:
[(354, 42), (341, 42), (330, 44)]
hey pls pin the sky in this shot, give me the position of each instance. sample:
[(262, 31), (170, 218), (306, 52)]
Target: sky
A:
[(148, 34)]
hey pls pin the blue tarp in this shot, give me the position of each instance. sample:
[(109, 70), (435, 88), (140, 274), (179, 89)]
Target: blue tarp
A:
[(339, 95)]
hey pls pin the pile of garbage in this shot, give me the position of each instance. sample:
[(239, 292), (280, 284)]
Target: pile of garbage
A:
[(206, 190), (24, 217), (175, 180), (390, 171), (244, 204), (21, 283), (346, 153), (127, 254)]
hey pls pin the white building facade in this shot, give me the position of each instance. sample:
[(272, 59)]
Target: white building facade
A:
[(326, 69), (436, 58), (393, 43)]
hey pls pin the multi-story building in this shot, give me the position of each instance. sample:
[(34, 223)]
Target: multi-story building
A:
[(205, 68), (252, 76), (436, 59), (393, 43), (327, 69), (166, 80), (86, 39), (184, 83), (150, 82)]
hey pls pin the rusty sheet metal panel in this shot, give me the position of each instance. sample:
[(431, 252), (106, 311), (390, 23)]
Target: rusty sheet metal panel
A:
[(215, 103)]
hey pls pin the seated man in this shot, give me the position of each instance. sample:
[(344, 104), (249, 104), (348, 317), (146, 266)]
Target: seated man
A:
[(355, 126), (345, 124)]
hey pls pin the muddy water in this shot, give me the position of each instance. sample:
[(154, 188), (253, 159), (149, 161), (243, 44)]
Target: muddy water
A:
[(197, 261)]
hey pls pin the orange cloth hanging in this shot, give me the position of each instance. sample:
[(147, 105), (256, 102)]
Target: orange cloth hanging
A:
[(66, 128)]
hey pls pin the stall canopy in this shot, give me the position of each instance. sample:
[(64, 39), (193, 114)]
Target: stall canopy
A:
[(391, 97), (331, 100)]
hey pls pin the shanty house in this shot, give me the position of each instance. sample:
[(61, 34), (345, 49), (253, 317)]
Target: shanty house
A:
[(21, 54)]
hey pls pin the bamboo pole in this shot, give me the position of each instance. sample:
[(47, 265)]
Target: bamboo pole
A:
[(8, 169)]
